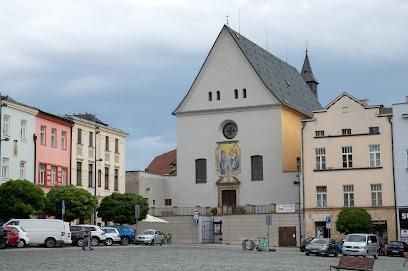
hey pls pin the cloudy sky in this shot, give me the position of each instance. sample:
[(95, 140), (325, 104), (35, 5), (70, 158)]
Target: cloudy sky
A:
[(132, 61)]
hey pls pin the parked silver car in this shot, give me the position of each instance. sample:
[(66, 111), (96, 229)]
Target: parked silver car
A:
[(150, 237), (112, 235)]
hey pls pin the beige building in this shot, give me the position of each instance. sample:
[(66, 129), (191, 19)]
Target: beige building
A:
[(347, 162), (93, 140)]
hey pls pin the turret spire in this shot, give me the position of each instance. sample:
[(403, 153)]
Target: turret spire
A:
[(307, 75)]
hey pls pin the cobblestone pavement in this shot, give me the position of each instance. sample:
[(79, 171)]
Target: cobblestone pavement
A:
[(172, 257)]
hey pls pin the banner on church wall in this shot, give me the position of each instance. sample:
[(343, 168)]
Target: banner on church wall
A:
[(228, 159)]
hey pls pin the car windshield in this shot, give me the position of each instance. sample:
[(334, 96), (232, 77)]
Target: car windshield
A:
[(356, 238), (148, 232), (319, 241)]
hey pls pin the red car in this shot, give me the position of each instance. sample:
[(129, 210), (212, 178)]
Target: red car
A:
[(12, 237)]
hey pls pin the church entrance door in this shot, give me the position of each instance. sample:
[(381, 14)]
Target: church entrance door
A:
[(229, 198)]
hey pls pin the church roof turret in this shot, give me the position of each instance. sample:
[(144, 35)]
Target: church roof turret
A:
[(307, 72)]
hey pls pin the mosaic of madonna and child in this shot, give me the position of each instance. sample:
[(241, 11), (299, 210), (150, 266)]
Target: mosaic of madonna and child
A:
[(228, 159)]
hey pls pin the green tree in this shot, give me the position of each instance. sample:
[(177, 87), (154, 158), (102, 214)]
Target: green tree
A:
[(20, 199), (354, 220), (78, 202), (120, 208)]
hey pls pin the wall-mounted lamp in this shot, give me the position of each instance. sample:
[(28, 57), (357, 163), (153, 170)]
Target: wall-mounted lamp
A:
[(15, 141), (147, 189)]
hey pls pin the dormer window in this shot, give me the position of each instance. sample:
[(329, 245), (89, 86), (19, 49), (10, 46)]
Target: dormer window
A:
[(218, 95), (210, 96)]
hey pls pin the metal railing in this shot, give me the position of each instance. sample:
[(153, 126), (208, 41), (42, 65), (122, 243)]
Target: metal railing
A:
[(208, 211)]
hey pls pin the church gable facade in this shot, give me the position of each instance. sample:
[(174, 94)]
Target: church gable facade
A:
[(238, 128)]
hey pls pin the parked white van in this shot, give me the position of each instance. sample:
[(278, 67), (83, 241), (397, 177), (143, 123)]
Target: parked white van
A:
[(361, 244), (48, 232)]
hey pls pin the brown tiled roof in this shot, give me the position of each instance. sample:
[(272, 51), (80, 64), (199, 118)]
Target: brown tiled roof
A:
[(164, 164)]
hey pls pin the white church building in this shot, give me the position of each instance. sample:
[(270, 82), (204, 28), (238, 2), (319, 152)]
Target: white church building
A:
[(238, 147)]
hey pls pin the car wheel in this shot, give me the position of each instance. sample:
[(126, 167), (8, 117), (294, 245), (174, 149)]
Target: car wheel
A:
[(307, 254), (3, 244), (124, 241), (94, 241), (79, 242), (50, 242), (336, 254), (152, 243), (108, 242), (21, 244)]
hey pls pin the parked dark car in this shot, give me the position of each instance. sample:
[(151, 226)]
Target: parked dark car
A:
[(396, 248), (127, 234), (305, 243), (77, 235), (322, 247)]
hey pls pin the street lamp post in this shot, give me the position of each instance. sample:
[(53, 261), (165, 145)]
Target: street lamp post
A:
[(96, 160)]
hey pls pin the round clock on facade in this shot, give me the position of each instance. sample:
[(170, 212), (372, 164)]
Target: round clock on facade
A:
[(230, 130)]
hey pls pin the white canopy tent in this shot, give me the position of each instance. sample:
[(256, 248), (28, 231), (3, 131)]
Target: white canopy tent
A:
[(153, 219)]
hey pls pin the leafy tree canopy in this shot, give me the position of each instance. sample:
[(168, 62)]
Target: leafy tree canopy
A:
[(354, 220), (78, 202), (20, 199), (120, 208)]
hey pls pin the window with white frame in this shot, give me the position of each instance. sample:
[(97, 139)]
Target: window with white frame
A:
[(319, 133), (43, 135), (321, 196), (321, 158), (22, 170), (5, 168), (53, 138), (376, 195), (53, 176), (64, 140), (64, 176), (6, 125), (346, 131), (23, 134), (348, 192), (42, 175), (375, 155), (347, 155)]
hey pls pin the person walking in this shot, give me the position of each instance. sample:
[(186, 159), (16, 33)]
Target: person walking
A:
[(87, 240)]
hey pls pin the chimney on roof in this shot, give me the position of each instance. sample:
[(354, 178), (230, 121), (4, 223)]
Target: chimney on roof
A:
[(365, 102)]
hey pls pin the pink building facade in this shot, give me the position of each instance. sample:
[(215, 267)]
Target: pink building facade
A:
[(53, 151)]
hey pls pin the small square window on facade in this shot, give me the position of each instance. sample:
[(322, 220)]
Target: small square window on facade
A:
[(345, 109), (346, 131), (167, 202), (374, 130), (319, 133)]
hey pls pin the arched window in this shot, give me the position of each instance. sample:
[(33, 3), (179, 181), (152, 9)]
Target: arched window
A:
[(218, 95), (256, 168), (201, 170), (210, 96), (236, 93)]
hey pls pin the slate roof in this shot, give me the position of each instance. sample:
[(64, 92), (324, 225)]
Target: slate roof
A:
[(282, 79), (90, 117), (164, 164)]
